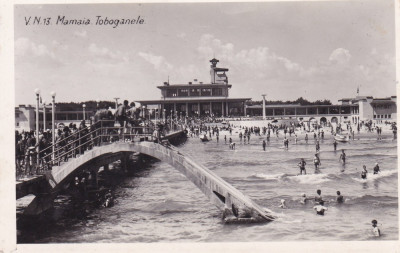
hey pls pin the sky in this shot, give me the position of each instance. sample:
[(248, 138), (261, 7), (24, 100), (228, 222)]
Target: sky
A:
[(317, 50)]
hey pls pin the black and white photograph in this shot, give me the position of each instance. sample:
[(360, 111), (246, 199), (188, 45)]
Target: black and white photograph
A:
[(205, 122)]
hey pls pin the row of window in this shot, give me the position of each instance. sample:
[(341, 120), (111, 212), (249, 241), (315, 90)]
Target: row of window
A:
[(194, 92), (382, 116)]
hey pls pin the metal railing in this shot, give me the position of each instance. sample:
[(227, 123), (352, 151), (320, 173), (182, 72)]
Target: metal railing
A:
[(74, 144)]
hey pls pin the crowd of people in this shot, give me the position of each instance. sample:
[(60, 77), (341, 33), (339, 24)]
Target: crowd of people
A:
[(32, 156)]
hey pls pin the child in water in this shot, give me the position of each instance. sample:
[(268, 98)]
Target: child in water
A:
[(375, 229)]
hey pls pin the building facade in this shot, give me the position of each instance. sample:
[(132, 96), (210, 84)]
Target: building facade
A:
[(199, 99), (353, 110), (25, 116)]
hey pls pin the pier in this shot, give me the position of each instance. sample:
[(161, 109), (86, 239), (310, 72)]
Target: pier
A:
[(102, 149)]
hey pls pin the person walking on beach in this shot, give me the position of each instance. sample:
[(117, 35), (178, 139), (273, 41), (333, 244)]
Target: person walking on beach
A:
[(302, 166)]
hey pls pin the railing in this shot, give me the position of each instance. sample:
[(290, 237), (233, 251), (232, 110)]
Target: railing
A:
[(76, 143)]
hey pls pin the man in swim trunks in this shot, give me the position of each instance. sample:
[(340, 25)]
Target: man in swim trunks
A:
[(364, 172), (320, 208), (339, 198), (302, 166), (264, 144), (334, 145), (376, 169)]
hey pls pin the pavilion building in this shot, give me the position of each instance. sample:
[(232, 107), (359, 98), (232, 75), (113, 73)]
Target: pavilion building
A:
[(198, 98)]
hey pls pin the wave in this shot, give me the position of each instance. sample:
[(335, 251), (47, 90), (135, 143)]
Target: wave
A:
[(311, 178), (371, 177), (302, 179)]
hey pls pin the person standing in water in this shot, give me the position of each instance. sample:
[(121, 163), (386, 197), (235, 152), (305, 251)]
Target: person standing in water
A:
[(302, 166), (364, 172), (339, 198), (334, 145), (318, 198), (264, 144), (317, 163), (376, 169), (306, 138), (320, 208), (317, 146), (342, 157), (375, 230)]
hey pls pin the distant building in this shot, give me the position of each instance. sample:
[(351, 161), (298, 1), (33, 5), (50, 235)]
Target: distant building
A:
[(25, 116), (353, 110), (199, 99)]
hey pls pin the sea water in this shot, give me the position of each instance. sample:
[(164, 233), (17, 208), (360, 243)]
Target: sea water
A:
[(158, 204)]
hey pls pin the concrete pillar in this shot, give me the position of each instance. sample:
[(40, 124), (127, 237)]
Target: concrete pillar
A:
[(227, 108), (187, 109), (198, 109), (210, 108), (263, 105), (273, 112), (222, 111), (94, 175)]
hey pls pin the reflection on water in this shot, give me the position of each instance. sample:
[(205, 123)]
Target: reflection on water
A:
[(158, 204)]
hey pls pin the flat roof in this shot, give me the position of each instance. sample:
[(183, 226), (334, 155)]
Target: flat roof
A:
[(295, 106), (195, 85), (193, 100)]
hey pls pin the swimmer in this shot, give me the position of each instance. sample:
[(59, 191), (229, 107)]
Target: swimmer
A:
[(376, 230), (264, 144), (376, 169), (295, 138), (304, 199), (339, 198), (318, 198), (320, 208), (302, 166), (364, 172), (283, 204), (334, 145), (306, 138)]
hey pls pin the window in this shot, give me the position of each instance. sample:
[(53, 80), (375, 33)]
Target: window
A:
[(194, 92), (17, 123), (205, 92), (217, 91), (17, 115), (390, 116), (171, 93), (183, 92), (374, 116)]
